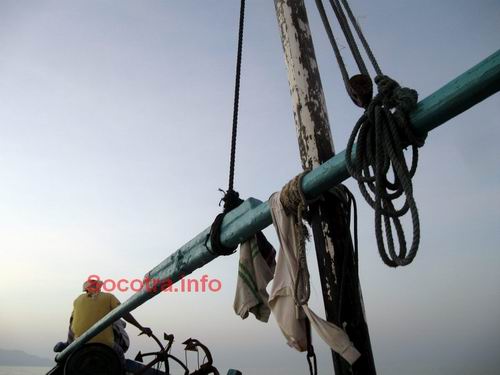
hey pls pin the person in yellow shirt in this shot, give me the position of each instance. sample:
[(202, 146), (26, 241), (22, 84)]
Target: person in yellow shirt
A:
[(90, 307)]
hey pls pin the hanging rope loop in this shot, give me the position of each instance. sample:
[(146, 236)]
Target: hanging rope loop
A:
[(381, 134)]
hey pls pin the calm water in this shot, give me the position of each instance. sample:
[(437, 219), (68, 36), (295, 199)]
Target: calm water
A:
[(5, 370)]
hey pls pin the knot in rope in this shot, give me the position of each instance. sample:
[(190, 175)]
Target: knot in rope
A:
[(294, 203), (386, 85), (381, 134), (392, 96), (231, 200)]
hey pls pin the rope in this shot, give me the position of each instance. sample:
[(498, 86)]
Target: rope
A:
[(359, 87), (236, 97), (333, 42), (231, 201), (344, 24), (217, 248), (381, 133), (361, 36), (311, 355), (231, 197), (294, 203)]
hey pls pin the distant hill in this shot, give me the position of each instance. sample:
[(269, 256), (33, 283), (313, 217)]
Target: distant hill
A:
[(20, 358)]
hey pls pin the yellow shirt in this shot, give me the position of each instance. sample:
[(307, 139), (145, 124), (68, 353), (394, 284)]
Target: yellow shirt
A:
[(88, 310)]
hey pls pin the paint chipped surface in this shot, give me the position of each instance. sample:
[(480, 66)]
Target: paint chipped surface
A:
[(309, 107), (329, 244), (310, 113)]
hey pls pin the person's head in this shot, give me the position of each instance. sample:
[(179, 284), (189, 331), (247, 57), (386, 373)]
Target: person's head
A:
[(92, 286)]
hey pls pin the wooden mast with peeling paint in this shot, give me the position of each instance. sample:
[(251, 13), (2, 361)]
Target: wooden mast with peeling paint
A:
[(335, 258)]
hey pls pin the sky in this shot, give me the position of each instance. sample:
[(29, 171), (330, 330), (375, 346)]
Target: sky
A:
[(115, 122)]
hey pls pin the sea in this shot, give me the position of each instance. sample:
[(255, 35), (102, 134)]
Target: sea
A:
[(20, 370)]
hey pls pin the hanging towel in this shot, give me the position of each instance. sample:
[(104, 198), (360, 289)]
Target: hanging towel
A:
[(289, 316), (255, 270)]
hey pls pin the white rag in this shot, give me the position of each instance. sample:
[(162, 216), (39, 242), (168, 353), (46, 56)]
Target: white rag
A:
[(289, 316), (253, 276)]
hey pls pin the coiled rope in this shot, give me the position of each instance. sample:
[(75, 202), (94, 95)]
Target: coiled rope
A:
[(380, 134)]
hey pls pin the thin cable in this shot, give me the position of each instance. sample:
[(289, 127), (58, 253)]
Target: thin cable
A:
[(236, 96)]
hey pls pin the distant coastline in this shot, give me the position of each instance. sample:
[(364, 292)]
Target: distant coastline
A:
[(20, 358)]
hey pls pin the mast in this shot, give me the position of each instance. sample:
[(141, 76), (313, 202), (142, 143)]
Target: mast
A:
[(335, 258)]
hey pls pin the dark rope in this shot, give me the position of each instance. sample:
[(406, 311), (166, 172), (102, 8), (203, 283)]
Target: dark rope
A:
[(217, 248), (359, 87), (361, 36), (382, 132), (231, 197), (311, 356), (231, 201), (333, 42), (236, 96), (344, 24)]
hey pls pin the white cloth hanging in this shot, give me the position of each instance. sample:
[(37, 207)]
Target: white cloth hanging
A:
[(254, 274), (289, 316)]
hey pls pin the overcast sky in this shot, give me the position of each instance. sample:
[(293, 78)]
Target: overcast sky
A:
[(114, 132)]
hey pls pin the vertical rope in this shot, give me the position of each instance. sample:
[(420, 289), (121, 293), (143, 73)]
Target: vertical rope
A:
[(231, 198), (236, 97)]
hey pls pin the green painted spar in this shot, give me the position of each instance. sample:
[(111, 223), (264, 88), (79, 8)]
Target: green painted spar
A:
[(465, 91)]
